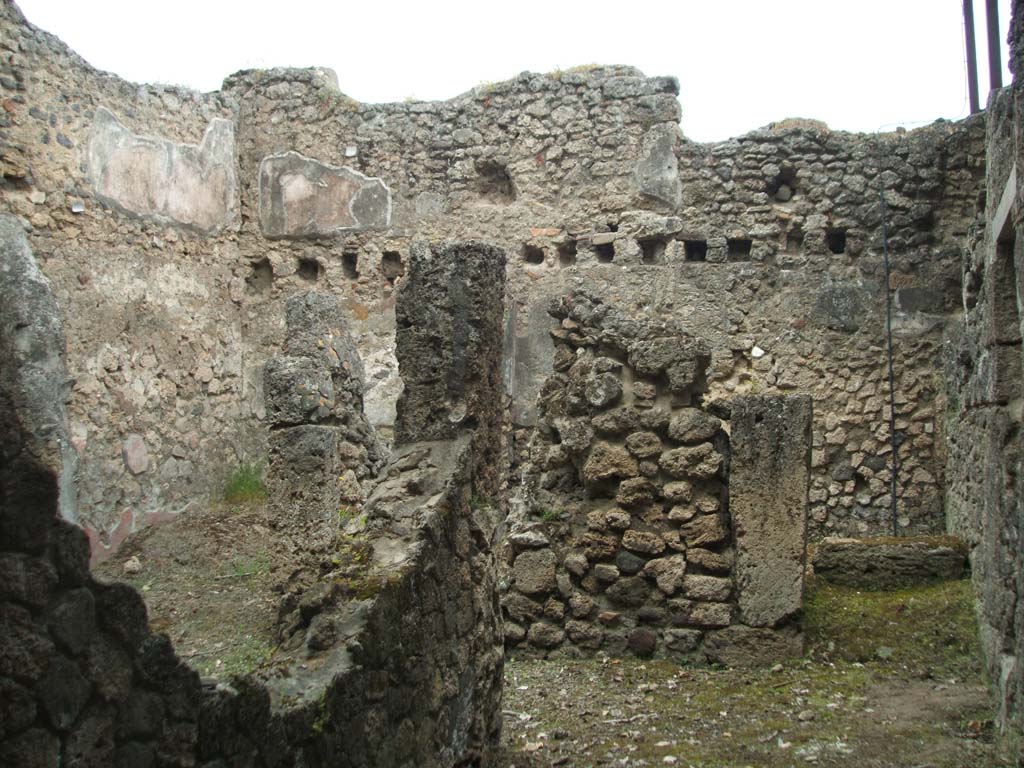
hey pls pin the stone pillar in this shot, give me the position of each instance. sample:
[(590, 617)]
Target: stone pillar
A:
[(450, 311), (768, 481), (320, 443)]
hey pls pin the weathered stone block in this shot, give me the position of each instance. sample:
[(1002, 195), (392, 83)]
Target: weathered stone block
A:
[(449, 341), (635, 492), (602, 389), (535, 571), (707, 588), (889, 563), (704, 531), (598, 547), (644, 542), (545, 635), (73, 620), (657, 171), (608, 462), (683, 640), (521, 608), (688, 613), (303, 197), (740, 646), (62, 693), (667, 572), (576, 434), (644, 445), (584, 634), (628, 563), (629, 592), (26, 579), (769, 477), (643, 641), (700, 461), (692, 425)]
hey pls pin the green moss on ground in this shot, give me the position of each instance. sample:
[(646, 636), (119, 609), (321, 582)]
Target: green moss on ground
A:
[(921, 701), (929, 629)]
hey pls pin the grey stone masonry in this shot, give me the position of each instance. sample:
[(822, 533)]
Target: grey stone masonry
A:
[(771, 452)]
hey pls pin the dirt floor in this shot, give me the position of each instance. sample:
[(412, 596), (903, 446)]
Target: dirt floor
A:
[(890, 678), (210, 582)]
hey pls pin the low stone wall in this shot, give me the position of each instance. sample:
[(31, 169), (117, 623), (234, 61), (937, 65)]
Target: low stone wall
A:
[(643, 525), (395, 657)]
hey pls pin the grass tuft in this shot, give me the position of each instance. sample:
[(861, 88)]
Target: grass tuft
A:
[(245, 484)]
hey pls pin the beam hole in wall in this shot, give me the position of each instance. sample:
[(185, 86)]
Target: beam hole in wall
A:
[(695, 250), (795, 239), (739, 248), (391, 266), (652, 250), (261, 276), (493, 182), (613, 227), (309, 269), (350, 263), (567, 253), (605, 252), (533, 254), (835, 239), (782, 187)]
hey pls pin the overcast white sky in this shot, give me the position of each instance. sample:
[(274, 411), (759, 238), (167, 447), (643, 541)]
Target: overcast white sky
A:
[(861, 65)]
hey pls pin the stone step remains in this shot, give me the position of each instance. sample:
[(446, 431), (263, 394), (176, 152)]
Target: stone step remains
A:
[(890, 562)]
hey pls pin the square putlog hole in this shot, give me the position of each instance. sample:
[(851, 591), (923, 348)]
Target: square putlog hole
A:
[(533, 254), (652, 250), (309, 269), (739, 248), (567, 254), (695, 250), (391, 266), (350, 264), (835, 239), (605, 252)]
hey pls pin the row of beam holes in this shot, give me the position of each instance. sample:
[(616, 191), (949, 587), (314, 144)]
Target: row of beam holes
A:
[(261, 276), (565, 252), (653, 249), (835, 240)]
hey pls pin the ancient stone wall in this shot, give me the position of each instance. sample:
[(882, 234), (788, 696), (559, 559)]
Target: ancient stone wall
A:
[(175, 226), (639, 523), (392, 658), (984, 369)]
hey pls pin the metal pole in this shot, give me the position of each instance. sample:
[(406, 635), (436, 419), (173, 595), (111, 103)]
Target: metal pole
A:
[(972, 56), (995, 67)]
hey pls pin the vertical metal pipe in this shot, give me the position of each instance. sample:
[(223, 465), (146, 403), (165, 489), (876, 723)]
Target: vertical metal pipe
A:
[(972, 56), (995, 43)]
